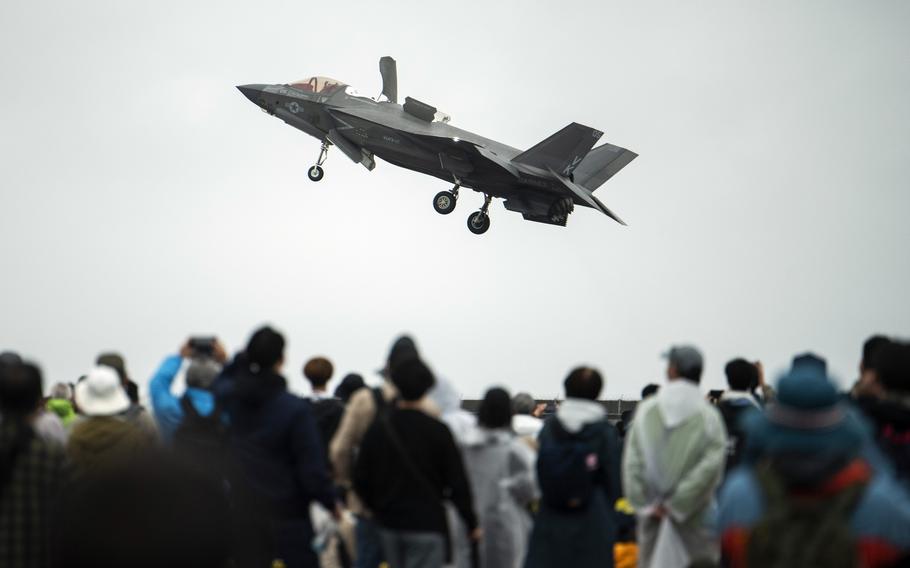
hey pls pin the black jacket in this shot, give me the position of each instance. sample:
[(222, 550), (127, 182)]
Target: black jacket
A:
[(274, 440), (399, 498)]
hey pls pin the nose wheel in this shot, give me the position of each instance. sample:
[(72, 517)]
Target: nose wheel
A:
[(479, 221), (445, 201), (316, 173)]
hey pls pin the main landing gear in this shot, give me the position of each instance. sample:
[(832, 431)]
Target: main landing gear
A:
[(444, 202), (316, 172), (479, 221)]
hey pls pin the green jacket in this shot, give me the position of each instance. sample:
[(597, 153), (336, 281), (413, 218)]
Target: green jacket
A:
[(63, 409)]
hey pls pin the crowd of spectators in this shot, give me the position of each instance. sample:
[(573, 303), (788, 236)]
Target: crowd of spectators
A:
[(233, 470)]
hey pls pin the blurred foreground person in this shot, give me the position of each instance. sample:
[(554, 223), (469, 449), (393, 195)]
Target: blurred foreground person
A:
[(351, 383), (135, 412), (327, 410), (578, 472), (205, 363), (31, 471), (273, 438), (804, 495), (359, 415), (500, 467), (61, 404), (672, 464), (886, 403), (104, 437), (152, 512), (407, 464)]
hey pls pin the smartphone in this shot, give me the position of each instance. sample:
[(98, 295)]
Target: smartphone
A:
[(203, 346)]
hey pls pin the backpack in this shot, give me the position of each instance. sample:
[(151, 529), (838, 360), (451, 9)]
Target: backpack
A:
[(732, 412), (804, 532), (567, 468)]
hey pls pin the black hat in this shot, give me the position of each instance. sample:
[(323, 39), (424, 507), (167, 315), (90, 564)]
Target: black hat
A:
[(412, 378)]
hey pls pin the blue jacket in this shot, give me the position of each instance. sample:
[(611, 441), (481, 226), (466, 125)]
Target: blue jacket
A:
[(167, 408)]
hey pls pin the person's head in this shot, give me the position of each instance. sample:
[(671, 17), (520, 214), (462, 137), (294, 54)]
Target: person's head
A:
[(413, 379), (684, 362), (523, 403), (495, 409), (265, 350), (871, 347), (583, 382), (101, 393), (62, 391), (202, 372), (20, 389), (649, 390), (318, 371), (351, 383), (403, 349), (741, 375), (114, 361), (892, 364)]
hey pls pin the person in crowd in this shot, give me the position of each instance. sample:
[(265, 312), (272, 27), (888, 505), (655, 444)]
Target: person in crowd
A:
[(327, 409), (358, 416), (501, 471), (104, 436), (885, 401), (735, 402), (273, 437), (136, 413), (447, 400), (868, 386), (407, 464), (61, 404), (151, 512), (170, 410), (524, 423), (804, 495), (351, 383), (579, 476), (672, 465), (649, 390), (32, 470)]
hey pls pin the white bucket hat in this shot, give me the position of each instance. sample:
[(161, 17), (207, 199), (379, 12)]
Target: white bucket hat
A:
[(101, 394)]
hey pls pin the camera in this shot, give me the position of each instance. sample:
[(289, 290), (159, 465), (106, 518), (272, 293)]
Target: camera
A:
[(202, 346)]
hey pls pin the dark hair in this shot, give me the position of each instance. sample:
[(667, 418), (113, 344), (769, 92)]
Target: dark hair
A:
[(583, 382), (871, 347), (413, 379), (892, 362), (350, 384), (318, 371), (649, 390), (741, 375), (20, 389), (265, 349), (495, 409)]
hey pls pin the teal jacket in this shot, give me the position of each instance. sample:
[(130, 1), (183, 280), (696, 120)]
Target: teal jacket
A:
[(167, 408)]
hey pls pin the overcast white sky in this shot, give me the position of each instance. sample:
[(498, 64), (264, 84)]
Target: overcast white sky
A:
[(144, 199)]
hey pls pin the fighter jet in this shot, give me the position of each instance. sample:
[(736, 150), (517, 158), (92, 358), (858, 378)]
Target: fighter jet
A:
[(543, 183)]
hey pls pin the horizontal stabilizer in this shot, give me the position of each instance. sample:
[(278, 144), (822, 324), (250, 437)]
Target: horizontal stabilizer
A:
[(561, 152), (601, 164), (587, 197)]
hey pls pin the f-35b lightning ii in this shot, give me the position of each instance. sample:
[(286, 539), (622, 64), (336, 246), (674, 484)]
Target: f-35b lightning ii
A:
[(544, 183)]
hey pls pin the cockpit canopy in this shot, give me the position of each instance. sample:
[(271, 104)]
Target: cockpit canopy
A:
[(318, 85)]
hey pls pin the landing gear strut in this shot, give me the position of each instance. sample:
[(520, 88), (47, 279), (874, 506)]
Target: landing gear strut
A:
[(479, 221), (444, 202), (316, 172)]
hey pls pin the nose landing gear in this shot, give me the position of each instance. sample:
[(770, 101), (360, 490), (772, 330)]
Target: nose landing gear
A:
[(316, 172)]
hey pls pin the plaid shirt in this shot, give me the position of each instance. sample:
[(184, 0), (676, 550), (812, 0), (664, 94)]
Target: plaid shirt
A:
[(27, 500)]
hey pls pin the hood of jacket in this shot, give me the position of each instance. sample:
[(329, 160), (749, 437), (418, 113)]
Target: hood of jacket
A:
[(576, 413), (479, 436), (526, 425), (237, 385), (743, 397), (678, 401)]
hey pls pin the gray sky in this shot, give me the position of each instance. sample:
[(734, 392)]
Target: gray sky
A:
[(145, 199)]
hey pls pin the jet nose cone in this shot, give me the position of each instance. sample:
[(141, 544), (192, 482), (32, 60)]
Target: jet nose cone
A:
[(252, 92)]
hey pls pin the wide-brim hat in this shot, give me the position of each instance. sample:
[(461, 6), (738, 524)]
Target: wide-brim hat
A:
[(101, 393), (808, 417)]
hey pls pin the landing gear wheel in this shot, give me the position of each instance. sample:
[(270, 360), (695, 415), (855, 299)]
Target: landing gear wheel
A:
[(444, 202), (478, 222), (315, 173)]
